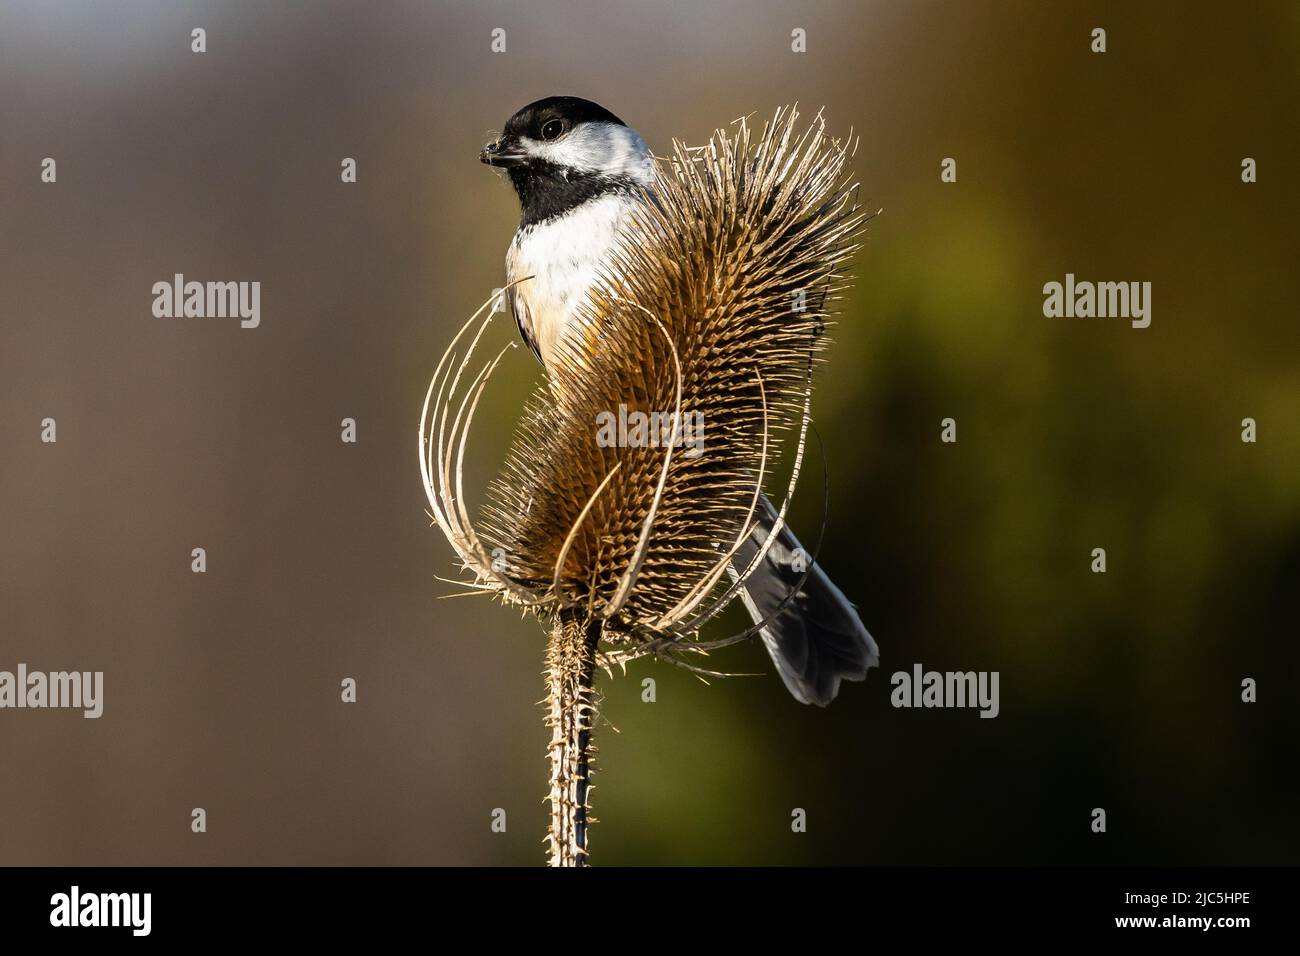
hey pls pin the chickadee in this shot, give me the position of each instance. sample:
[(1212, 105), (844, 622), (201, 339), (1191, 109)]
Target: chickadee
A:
[(577, 169), (579, 172)]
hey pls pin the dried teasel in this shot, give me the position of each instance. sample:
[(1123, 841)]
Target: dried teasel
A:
[(712, 311)]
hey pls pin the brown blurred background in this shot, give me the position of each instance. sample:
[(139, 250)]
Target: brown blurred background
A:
[(222, 690)]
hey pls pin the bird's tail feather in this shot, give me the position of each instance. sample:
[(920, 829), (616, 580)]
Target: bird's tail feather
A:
[(816, 639)]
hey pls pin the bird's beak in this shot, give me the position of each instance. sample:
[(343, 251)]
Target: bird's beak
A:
[(502, 153)]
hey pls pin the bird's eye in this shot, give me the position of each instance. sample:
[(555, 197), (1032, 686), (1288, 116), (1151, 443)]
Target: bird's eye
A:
[(552, 129)]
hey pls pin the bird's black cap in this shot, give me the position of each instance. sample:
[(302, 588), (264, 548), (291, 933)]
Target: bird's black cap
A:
[(574, 109)]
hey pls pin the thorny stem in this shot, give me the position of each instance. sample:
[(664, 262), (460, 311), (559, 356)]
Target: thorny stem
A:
[(571, 713)]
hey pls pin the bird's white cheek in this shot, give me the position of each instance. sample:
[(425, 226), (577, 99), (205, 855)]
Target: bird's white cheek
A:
[(597, 148)]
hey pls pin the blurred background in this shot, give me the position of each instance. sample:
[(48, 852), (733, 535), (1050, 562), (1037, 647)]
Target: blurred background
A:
[(1119, 690)]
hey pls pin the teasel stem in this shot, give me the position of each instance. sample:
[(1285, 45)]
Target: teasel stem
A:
[(571, 714)]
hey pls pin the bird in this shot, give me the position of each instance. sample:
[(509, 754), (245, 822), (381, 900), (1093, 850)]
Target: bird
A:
[(580, 172)]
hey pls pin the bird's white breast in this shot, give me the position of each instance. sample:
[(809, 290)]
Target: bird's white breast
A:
[(562, 255)]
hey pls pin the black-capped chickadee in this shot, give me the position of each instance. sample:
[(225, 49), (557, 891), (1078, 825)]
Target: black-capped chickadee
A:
[(579, 172)]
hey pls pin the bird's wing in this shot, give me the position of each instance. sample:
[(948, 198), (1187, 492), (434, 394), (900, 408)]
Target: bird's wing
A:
[(523, 318)]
